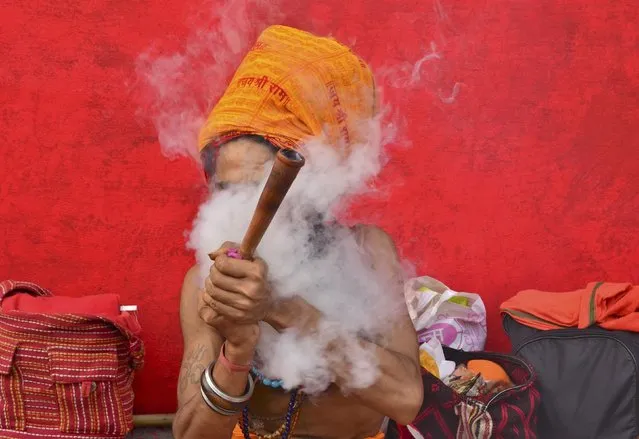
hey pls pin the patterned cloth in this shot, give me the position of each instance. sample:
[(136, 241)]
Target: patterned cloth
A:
[(65, 376), (445, 414), (293, 86), (474, 421)]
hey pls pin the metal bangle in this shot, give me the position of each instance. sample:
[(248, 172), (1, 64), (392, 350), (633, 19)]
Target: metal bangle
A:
[(214, 407), (208, 384)]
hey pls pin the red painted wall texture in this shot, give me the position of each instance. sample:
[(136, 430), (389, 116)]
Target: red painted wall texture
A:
[(528, 178)]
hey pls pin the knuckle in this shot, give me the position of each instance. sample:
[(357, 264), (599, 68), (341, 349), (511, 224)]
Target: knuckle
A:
[(211, 285), (234, 314), (252, 290), (244, 289), (221, 264), (217, 294), (256, 272), (261, 269), (209, 304), (207, 315), (245, 304), (215, 279)]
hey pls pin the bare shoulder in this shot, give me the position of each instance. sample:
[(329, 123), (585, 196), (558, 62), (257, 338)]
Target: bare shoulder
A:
[(374, 236), (192, 280), (380, 248), (385, 259), (192, 277)]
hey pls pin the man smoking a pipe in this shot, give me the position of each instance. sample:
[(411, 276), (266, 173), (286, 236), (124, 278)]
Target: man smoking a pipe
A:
[(220, 393)]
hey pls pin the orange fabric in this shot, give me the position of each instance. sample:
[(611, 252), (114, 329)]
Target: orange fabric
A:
[(612, 306), (489, 370), (293, 86), (237, 434)]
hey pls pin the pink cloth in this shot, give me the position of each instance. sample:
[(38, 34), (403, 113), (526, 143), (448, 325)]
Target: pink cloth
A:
[(103, 305)]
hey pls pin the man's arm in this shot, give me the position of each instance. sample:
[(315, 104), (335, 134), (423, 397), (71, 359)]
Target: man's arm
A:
[(398, 391), (194, 419)]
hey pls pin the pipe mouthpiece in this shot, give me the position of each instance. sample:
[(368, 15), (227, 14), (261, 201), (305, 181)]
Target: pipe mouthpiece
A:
[(291, 157)]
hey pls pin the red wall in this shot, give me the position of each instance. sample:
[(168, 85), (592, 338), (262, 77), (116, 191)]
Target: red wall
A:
[(528, 179)]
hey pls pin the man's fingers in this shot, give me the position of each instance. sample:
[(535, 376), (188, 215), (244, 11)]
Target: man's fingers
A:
[(223, 249), (206, 300), (260, 268), (208, 285), (239, 268), (242, 286), (206, 312), (230, 312), (209, 316), (215, 313), (224, 304), (219, 277), (232, 299)]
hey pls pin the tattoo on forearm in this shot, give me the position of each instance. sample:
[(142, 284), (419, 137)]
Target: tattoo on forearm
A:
[(192, 367)]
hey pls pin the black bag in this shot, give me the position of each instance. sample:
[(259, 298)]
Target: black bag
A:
[(587, 379)]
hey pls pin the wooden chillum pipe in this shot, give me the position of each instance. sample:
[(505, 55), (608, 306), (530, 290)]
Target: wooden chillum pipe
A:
[(287, 164)]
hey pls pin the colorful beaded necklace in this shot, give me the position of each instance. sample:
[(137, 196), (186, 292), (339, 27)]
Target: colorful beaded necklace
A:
[(283, 432), (270, 382)]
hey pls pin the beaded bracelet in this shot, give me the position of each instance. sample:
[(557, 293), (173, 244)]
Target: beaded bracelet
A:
[(208, 386)]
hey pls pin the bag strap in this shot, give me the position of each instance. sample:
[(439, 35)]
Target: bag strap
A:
[(9, 287)]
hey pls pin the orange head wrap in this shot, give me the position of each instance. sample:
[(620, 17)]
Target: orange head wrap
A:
[(293, 86)]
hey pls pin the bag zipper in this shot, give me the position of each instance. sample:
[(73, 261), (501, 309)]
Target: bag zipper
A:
[(500, 394), (496, 357), (511, 389), (575, 334), (531, 372), (514, 388)]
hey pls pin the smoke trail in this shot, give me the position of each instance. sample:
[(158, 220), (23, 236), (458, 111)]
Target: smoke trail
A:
[(176, 91), (430, 71), (337, 279)]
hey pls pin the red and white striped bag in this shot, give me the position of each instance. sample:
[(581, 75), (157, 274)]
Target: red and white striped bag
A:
[(65, 375)]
